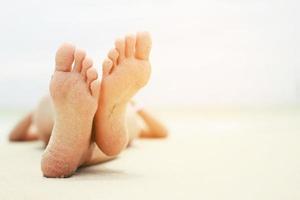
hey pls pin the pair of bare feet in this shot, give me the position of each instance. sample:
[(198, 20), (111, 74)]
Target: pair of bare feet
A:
[(89, 110)]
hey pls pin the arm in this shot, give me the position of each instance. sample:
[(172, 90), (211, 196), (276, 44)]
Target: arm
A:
[(155, 129), (21, 132)]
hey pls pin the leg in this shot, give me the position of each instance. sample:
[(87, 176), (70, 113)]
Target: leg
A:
[(127, 71), (74, 92), (96, 156), (43, 119)]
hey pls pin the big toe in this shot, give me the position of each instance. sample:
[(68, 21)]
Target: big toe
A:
[(143, 45), (64, 57)]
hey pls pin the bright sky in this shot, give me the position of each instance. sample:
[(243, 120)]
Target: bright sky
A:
[(204, 53)]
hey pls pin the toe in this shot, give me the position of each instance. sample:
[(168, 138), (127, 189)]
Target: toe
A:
[(91, 75), (95, 88), (64, 57), (106, 67), (79, 56), (143, 45), (129, 45), (120, 46), (86, 64), (113, 55)]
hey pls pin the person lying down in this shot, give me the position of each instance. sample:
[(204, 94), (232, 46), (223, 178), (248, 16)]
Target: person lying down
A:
[(86, 121)]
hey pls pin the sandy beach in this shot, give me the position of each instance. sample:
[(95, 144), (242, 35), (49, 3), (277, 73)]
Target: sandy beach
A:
[(225, 80), (237, 154)]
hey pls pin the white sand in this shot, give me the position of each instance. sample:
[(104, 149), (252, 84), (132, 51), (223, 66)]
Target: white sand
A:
[(237, 155)]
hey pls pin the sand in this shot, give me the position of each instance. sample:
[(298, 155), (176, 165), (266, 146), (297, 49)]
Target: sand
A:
[(209, 155)]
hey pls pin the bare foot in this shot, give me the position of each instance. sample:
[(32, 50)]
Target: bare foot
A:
[(74, 91), (125, 72)]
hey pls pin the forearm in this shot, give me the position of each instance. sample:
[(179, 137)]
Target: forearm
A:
[(155, 128), (19, 132)]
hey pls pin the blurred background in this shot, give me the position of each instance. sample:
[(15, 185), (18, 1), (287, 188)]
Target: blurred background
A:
[(206, 54)]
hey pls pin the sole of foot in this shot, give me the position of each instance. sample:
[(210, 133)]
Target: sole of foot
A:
[(126, 70), (74, 90)]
